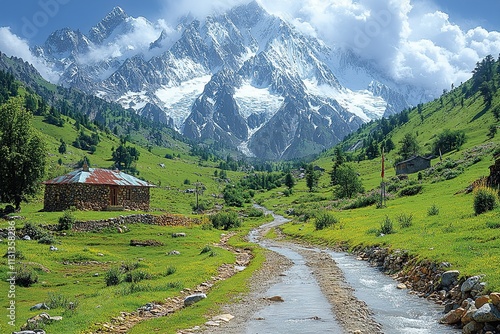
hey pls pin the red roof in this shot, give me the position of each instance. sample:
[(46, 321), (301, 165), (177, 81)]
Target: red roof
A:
[(100, 176)]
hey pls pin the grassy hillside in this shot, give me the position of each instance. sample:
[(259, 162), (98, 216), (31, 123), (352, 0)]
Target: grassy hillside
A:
[(443, 224)]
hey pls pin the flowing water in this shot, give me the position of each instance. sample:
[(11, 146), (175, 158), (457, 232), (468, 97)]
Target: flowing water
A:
[(306, 310)]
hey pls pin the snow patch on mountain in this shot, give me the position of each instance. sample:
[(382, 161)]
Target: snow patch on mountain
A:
[(254, 100), (178, 100), (362, 103)]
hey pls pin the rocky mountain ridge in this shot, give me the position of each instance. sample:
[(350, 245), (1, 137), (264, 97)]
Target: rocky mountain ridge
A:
[(244, 77)]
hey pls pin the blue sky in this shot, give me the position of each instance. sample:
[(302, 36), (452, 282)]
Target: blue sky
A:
[(34, 20)]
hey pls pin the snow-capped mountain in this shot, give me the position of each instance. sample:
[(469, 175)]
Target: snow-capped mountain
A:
[(244, 77)]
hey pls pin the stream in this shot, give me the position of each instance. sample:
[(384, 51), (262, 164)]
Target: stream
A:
[(306, 310)]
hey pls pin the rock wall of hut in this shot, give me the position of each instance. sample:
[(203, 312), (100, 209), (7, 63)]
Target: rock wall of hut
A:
[(60, 197)]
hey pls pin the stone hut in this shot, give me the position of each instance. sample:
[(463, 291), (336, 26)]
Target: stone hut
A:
[(413, 165), (494, 177), (96, 189)]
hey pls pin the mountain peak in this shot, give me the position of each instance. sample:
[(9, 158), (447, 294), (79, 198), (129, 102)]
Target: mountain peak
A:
[(103, 29)]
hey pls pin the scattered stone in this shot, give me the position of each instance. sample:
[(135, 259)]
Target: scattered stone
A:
[(402, 286), (223, 317), (212, 323), (100, 254), (192, 299), (174, 252), (276, 299), (39, 306), (26, 237), (39, 320), (96, 275), (178, 235), (53, 248), (487, 313), (449, 277), (145, 243), (453, 317), (468, 285), (35, 331)]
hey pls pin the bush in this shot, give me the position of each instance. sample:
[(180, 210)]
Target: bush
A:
[(433, 210), (47, 239), (26, 276), (254, 212), (57, 300), (493, 224), (485, 199), (325, 219), (206, 249), (364, 200), (137, 276), (405, 220), (113, 276), (66, 221), (171, 270), (386, 226), (411, 190), (225, 220)]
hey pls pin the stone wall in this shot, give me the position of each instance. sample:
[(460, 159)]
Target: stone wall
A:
[(60, 197), (118, 222)]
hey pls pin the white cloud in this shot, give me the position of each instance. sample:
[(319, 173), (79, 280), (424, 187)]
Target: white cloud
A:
[(13, 45), (414, 42)]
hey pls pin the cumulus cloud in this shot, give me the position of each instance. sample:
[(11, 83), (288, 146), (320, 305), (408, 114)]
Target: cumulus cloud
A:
[(414, 44), (13, 45), (175, 9)]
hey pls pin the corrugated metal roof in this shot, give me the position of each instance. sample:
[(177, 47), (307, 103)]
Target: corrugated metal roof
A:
[(100, 176)]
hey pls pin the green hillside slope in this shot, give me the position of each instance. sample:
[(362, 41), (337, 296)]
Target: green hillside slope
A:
[(443, 226)]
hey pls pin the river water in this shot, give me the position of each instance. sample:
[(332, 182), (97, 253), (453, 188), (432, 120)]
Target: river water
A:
[(306, 310)]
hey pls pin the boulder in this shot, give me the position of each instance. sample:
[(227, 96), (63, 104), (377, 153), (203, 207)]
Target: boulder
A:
[(402, 286), (448, 278), (174, 252), (468, 316), (469, 284), (487, 313), (39, 306), (26, 237), (453, 317), (276, 299), (480, 301), (178, 235), (35, 331), (495, 298), (192, 299), (472, 328), (39, 320)]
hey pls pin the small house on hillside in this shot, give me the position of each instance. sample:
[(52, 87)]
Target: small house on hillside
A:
[(413, 165), (96, 189)]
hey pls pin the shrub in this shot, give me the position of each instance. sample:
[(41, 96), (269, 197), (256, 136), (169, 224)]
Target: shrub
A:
[(405, 220), (254, 212), (47, 239), (225, 220), (386, 226), (113, 276), (485, 199), (493, 224), (433, 210), (411, 190), (325, 219), (129, 266), (365, 200), (171, 270), (66, 221), (137, 276), (26, 276), (206, 249), (57, 300)]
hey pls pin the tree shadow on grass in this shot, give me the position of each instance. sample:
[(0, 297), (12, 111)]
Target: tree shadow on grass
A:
[(481, 113)]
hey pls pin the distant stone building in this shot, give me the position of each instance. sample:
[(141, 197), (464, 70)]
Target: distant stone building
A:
[(413, 165), (494, 177), (96, 189)]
